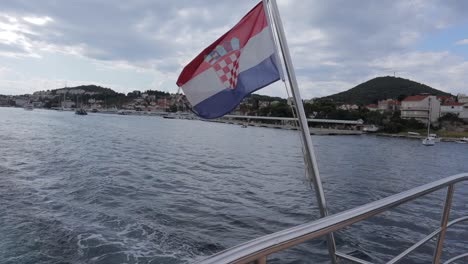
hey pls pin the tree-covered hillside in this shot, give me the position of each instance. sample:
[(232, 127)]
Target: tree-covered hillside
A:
[(382, 88)]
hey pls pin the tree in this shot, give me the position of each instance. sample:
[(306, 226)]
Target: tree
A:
[(281, 110), (401, 97), (323, 108), (172, 108)]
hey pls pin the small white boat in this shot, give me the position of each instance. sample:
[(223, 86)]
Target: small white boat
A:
[(29, 107), (435, 137), (371, 128), (465, 139), (461, 142), (81, 111), (170, 116), (429, 141), (413, 133)]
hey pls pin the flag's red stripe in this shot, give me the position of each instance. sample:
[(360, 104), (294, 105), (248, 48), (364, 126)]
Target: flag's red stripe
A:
[(250, 25)]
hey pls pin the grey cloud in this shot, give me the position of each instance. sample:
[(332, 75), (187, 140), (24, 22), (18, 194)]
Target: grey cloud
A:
[(13, 49), (134, 31), (333, 41)]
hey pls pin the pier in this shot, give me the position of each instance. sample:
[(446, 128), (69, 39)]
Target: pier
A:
[(316, 126)]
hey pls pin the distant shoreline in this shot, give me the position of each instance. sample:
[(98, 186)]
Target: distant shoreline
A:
[(314, 131), (443, 139)]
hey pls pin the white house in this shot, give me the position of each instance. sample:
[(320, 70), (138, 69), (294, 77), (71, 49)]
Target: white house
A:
[(388, 105), (462, 98), (452, 107), (70, 91), (419, 106), (348, 107), (464, 113), (68, 104), (372, 107), (21, 101)]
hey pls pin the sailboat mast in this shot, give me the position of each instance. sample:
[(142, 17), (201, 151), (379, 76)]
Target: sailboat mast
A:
[(429, 117)]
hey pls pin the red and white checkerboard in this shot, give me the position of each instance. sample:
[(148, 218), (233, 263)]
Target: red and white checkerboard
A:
[(227, 69)]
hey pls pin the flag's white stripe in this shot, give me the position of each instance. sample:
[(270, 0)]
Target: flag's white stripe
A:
[(207, 84), (203, 86), (259, 48)]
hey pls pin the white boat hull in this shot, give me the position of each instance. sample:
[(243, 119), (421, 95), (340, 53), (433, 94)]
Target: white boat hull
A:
[(428, 142)]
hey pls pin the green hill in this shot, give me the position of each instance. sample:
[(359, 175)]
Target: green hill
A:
[(89, 88), (382, 88)]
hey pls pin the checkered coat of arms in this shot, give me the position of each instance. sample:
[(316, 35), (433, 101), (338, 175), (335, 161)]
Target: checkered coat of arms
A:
[(225, 61)]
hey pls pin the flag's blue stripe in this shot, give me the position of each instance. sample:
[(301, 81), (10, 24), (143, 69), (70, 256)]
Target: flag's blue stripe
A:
[(249, 81)]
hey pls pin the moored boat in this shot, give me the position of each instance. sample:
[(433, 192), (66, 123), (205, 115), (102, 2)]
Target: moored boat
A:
[(29, 107), (428, 141), (81, 111), (435, 137), (370, 128)]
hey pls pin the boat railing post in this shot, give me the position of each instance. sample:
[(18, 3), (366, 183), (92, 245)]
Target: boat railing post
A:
[(443, 225), (309, 154)]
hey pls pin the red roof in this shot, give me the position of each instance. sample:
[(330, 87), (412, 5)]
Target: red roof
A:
[(452, 104), (444, 97), (415, 98)]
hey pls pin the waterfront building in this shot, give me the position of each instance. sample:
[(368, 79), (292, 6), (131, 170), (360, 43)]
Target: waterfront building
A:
[(70, 91), (68, 104), (4, 101), (139, 100), (462, 98), (445, 99), (389, 105), (417, 107), (464, 113), (372, 107), (163, 103), (21, 101), (43, 95), (451, 107), (348, 107)]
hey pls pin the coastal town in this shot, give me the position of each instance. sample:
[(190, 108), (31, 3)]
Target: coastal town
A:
[(96, 99), (415, 106), (419, 107), (325, 116)]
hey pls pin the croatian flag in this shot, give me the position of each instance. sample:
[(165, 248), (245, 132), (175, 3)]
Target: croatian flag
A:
[(237, 64)]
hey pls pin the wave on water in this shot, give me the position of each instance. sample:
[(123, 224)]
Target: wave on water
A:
[(129, 189)]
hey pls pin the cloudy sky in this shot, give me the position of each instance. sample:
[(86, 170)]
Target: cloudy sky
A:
[(143, 44)]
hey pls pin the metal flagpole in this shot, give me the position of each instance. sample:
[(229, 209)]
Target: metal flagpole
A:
[(309, 156)]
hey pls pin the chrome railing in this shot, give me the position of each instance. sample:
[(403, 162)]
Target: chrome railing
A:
[(258, 249)]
